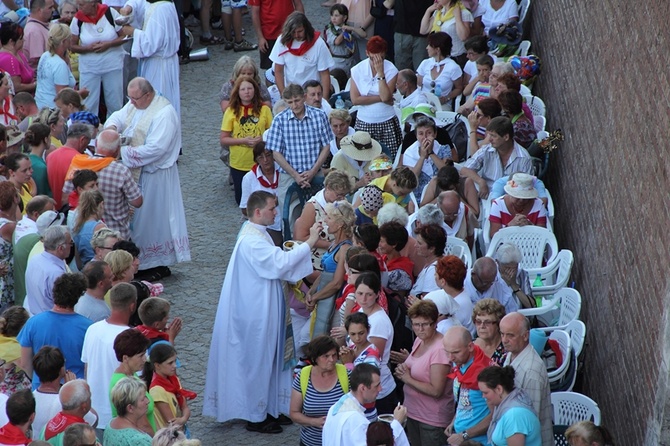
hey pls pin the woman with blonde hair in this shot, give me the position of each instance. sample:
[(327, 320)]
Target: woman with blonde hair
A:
[(245, 66), (340, 221), (121, 263), (129, 399), (53, 72), (88, 220), (69, 102)]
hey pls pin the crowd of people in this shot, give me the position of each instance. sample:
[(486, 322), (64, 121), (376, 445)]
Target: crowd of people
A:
[(363, 329), (362, 315)]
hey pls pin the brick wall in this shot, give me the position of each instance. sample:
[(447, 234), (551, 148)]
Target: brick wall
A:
[(605, 82)]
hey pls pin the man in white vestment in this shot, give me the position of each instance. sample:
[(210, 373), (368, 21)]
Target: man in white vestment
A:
[(346, 424), (156, 46), (159, 226), (249, 372)]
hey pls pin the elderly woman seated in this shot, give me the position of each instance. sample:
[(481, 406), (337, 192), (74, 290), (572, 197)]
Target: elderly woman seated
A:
[(356, 152), (508, 257), (426, 156), (519, 207), (429, 214)]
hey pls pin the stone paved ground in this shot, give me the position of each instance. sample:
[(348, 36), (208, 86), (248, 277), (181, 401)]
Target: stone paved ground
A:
[(213, 221)]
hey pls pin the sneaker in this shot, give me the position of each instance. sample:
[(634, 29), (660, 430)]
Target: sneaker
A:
[(217, 25), (245, 45), (229, 44)]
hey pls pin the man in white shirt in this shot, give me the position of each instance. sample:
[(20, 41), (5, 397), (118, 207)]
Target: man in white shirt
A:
[(314, 96), (98, 350), (346, 424), (407, 87)]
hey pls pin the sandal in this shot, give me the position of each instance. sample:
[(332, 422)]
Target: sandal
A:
[(214, 40)]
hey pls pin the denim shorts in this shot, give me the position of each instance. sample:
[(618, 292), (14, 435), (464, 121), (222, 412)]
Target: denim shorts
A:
[(235, 4)]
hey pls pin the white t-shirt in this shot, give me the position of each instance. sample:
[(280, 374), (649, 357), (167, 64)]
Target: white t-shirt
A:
[(299, 69), (368, 85), (471, 67), (250, 184), (493, 18), (100, 359), (103, 31), (24, 226), (51, 71), (450, 73), (464, 313), (381, 327)]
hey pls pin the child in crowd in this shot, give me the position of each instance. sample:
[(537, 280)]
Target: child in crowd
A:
[(244, 122), (81, 181), (399, 184), (483, 87), (340, 38), (380, 166), (160, 374), (371, 202), (154, 313)]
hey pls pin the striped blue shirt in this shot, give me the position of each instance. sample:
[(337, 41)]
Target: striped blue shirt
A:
[(316, 404)]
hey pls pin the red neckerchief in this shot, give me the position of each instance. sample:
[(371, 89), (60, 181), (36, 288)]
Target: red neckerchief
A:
[(402, 262), (303, 48), (247, 110), (469, 378), (10, 434), (5, 109), (263, 181), (57, 424), (151, 333), (102, 9), (171, 384)]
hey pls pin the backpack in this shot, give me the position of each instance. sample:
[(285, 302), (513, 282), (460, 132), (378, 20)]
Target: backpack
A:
[(108, 16), (458, 133), (342, 377)]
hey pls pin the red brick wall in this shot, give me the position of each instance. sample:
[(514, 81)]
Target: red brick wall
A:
[(605, 82)]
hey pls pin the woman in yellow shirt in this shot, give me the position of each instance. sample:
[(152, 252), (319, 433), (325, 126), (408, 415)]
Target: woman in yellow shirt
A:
[(244, 122)]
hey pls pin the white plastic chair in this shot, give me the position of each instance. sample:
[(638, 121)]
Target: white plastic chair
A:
[(524, 47), (524, 6), (570, 407), (555, 275), (459, 248), (396, 161), (540, 123), (570, 304), (335, 84), (532, 241), (536, 105), (576, 330), (433, 100), (525, 91), (565, 344), (550, 210), (348, 86)]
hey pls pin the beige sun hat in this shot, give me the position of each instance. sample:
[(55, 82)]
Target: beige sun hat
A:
[(360, 146), (521, 186)]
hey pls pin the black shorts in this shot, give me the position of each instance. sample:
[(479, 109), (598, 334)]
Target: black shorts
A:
[(266, 63)]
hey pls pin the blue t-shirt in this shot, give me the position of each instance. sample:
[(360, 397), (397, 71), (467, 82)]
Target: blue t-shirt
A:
[(82, 240), (65, 331), (471, 407), (51, 71), (518, 420)]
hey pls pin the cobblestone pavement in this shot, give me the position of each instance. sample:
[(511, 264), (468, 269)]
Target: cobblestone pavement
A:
[(213, 221)]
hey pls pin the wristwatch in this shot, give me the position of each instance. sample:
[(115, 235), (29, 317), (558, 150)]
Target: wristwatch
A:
[(465, 435)]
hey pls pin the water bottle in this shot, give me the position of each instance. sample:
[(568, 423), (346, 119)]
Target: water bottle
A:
[(438, 90), (339, 103), (536, 284)]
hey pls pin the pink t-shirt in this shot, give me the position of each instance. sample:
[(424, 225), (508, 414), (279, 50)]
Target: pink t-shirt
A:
[(432, 411), (35, 37), (17, 66)]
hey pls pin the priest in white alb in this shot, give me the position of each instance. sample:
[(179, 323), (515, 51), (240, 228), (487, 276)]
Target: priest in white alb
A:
[(153, 127), (249, 372), (156, 46)]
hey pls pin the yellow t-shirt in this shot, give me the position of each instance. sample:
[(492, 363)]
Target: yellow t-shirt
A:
[(388, 197), (242, 157), (160, 395)]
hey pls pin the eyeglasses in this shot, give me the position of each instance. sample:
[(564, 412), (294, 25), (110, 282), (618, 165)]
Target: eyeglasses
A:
[(485, 323), (481, 282), (137, 99), (266, 154)]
